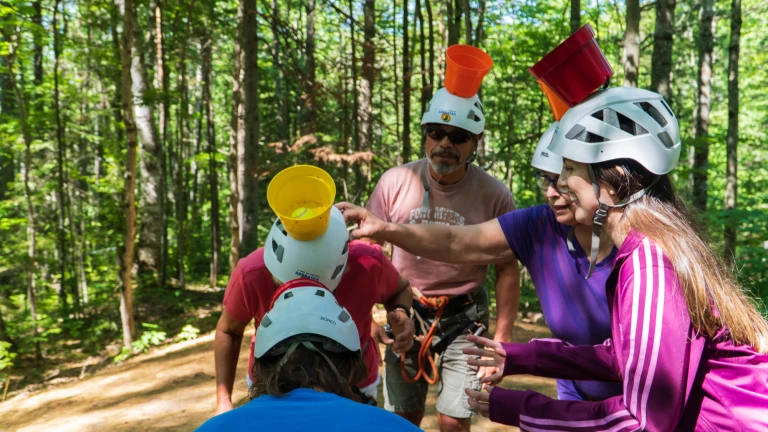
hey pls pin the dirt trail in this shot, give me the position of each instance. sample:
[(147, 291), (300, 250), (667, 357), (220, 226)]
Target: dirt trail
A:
[(172, 389)]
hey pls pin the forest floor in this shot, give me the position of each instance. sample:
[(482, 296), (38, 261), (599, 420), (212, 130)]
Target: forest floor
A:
[(171, 388)]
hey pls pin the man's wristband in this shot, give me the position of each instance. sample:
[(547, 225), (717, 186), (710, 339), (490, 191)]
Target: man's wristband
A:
[(404, 308)]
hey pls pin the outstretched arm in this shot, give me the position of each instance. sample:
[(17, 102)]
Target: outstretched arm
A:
[(470, 244)]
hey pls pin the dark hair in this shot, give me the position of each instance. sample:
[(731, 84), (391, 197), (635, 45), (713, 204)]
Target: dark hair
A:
[(705, 280), (306, 369)]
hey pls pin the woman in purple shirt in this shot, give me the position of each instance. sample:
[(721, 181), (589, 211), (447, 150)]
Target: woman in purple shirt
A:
[(688, 346)]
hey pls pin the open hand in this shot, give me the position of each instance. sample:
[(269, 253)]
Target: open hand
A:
[(487, 358), (370, 226)]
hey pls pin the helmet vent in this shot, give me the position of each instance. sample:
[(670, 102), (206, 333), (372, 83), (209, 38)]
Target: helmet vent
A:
[(266, 322), (346, 248), (337, 272), (279, 250), (320, 293), (666, 139), (279, 226), (479, 106), (429, 105), (344, 316), (669, 110), (653, 112), (287, 295)]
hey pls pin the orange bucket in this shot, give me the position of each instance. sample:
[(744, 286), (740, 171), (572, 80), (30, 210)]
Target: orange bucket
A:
[(465, 68), (555, 103)]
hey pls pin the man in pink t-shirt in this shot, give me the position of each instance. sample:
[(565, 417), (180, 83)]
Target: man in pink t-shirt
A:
[(445, 188), (359, 275)]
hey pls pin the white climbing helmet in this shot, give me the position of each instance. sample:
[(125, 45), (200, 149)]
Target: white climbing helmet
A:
[(620, 123), (447, 108), (545, 159), (308, 314), (321, 259)]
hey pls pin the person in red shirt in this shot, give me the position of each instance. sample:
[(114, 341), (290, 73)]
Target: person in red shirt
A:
[(359, 274)]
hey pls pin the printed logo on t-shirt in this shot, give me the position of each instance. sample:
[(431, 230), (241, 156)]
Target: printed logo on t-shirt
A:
[(437, 215), (301, 273)]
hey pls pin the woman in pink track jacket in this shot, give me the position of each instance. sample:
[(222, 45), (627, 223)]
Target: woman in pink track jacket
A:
[(687, 344)]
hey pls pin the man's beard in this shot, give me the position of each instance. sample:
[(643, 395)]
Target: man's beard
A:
[(444, 168)]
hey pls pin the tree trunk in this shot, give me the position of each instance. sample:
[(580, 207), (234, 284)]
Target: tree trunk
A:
[(183, 153), (310, 102), (37, 38), (406, 154), (31, 230), (61, 198), (732, 138), (425, 93), (161, 82), (467, 22), (210, 134), (453, 22), (278, 76), (431, 29), (396, 78), (575, 15), (631, 57), (356, 97), (151, 156), (126, 262), (236, 139), (250, 197), (661, 60), (479, 34), (368, 75), (701, 116)]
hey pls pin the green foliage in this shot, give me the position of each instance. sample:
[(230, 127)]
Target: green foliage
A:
[(151, 336), (189, 332), (6, 356)]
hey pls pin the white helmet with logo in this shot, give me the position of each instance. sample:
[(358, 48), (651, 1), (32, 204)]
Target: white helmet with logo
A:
[(447, 108), (305, 313), (321, 259), (545, 159)]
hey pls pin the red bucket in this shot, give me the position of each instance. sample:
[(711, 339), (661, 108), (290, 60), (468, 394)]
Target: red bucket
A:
[(575, 68)]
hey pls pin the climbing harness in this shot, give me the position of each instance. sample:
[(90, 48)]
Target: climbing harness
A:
[(425, 352)]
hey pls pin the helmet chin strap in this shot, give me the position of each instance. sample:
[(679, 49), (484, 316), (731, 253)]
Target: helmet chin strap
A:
[(602, 214)]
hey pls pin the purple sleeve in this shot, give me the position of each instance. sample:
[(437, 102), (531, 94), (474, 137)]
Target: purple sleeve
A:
[(520, 227), (554, 358), (652, 351)]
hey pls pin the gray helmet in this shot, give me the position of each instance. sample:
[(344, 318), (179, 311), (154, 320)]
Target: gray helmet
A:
[(620, 123)]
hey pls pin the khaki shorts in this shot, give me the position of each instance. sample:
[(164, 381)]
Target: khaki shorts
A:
[(455, 376)]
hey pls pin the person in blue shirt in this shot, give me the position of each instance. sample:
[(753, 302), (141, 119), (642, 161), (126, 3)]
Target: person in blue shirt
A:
[(547, 240), (306, 355)]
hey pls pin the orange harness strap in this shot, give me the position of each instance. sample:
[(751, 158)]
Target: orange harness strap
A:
[(425, 354)]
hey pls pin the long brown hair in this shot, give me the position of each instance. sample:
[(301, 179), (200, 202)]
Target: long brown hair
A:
[(308, 369), (666, 219)]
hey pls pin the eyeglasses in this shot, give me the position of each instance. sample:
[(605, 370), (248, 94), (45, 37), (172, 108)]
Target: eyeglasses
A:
[(544, 181), (455, 137)]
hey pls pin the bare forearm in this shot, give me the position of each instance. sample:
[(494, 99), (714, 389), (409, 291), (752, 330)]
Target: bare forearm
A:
[(507, 299), (404, 296), (470, 244), (226, 353)]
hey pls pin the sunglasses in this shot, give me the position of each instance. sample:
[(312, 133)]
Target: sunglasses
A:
[(455, 137), (543, 181)]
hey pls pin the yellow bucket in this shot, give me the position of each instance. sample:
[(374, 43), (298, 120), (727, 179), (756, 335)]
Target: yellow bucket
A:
[(302, 196)]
